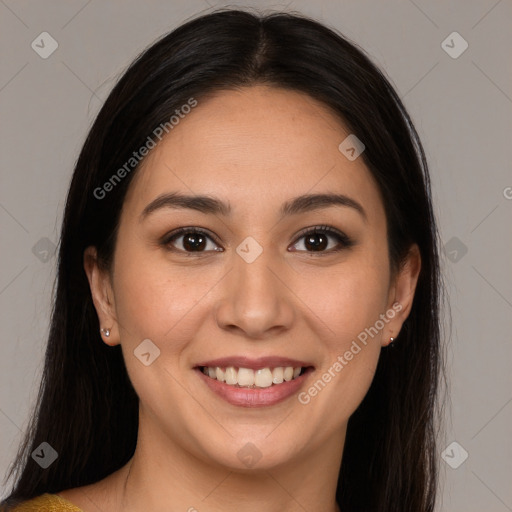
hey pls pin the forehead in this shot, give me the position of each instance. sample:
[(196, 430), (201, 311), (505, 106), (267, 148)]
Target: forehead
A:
[(254, 148)]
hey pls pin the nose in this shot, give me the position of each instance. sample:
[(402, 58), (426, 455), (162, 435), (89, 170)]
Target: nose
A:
[(256, 300)]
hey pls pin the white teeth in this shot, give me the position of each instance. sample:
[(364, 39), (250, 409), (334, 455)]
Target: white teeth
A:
[(220, 374), (231, 376), (288, 373), (247, 377), (263, 378), (277, 375)]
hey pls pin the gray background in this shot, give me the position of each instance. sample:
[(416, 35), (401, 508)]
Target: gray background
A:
[(462, 108)]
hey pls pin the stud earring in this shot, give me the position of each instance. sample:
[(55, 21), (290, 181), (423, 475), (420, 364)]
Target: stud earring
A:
[(391, 340), (106, 332)]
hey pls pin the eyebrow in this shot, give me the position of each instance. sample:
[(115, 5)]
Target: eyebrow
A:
[(211, 205)]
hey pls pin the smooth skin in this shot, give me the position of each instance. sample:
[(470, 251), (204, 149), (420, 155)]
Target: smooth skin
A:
[(254, 148)]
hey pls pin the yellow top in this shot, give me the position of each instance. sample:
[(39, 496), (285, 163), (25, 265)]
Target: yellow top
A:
[(47, 503)]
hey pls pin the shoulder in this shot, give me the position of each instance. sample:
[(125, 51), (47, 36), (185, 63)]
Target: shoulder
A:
[(96, 497), (47, 503)]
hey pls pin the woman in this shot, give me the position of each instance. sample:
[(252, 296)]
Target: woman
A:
[(247, 305)]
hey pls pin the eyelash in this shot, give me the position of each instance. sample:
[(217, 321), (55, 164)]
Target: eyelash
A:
[(343, 240)]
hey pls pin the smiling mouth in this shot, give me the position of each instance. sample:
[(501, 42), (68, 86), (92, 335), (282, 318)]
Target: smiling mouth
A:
[(240, 377)]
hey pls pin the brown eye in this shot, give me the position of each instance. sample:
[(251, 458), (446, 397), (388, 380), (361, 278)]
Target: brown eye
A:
[(194, 242), (317, 240), (191, 240)]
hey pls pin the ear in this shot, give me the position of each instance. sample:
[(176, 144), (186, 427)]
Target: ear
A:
[(401, 293), (102, 296)]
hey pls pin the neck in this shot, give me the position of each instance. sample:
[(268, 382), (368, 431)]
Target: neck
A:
[(163, 475)]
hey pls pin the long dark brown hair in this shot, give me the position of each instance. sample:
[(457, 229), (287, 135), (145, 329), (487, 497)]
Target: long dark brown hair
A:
[(87, 409)]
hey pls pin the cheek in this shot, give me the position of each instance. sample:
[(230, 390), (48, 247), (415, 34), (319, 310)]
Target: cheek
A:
[(347, 304), (347, 298), (163, 303), (157, 300)]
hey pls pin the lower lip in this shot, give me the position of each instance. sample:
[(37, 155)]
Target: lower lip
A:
[(255, 397)]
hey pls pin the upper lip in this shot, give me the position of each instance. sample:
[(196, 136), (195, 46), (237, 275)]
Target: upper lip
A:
[(255, 363)]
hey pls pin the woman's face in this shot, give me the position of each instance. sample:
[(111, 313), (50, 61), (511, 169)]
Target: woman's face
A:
[(252, 287)]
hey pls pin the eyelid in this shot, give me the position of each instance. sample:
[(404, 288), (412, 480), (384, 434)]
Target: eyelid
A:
[(167, 238), (343, 239), (321, 229)]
